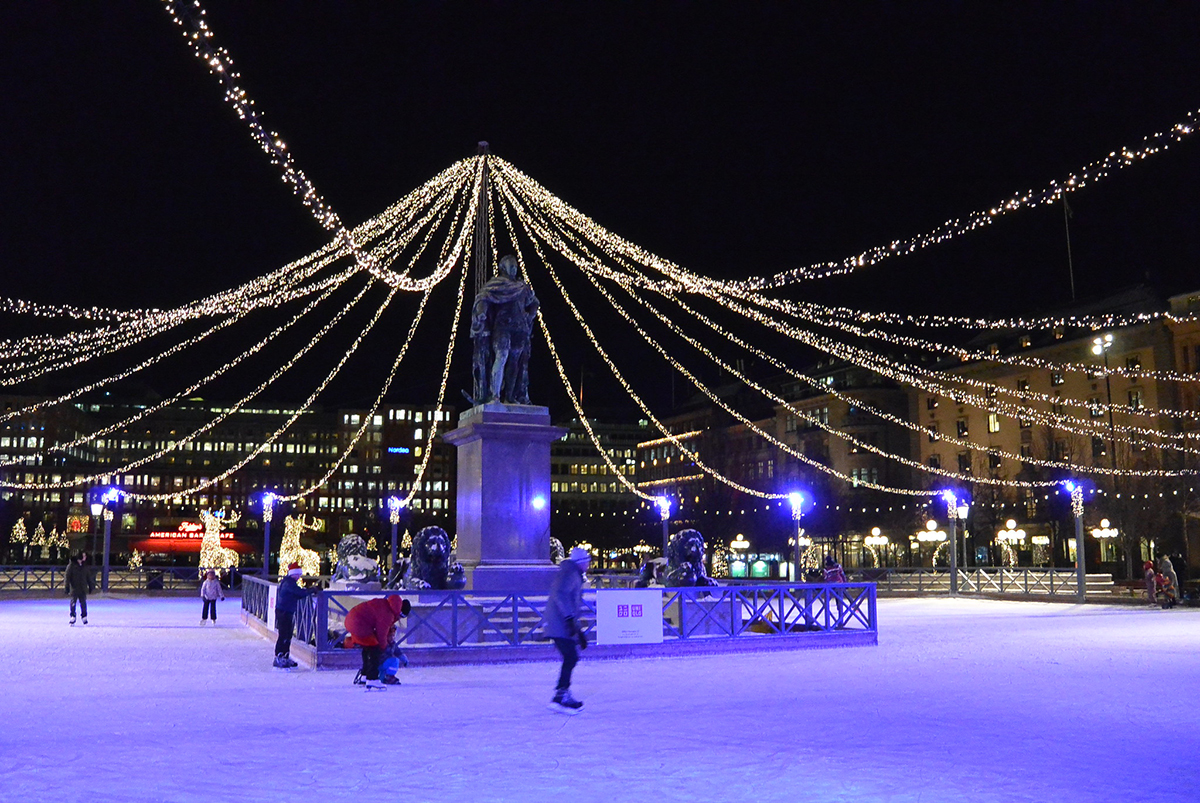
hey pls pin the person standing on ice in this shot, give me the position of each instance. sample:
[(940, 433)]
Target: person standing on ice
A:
[(563, 609), (78, 582), (1168, 571), (833, 570), (372, 624), (287, 597), (1151, 582), (210, 591)]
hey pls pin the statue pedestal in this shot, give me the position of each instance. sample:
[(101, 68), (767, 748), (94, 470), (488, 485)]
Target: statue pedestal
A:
[(503, 467)]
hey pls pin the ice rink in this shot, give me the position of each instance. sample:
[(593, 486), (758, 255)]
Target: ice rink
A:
[(963, 700)]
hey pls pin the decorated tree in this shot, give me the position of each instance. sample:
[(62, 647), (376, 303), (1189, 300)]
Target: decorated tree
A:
[(19, 536)]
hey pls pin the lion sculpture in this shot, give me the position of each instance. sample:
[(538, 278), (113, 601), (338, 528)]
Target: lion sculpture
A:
[(354, 567), (557, 553), (685, 554), (430, 565)]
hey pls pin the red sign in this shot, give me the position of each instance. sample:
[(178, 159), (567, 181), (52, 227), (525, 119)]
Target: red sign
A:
[(187, 529)]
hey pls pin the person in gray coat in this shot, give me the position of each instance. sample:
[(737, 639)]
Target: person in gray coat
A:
[(1168, 571), (563, 609)]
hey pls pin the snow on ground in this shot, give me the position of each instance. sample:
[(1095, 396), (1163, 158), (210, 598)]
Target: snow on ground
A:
[(963, 700)]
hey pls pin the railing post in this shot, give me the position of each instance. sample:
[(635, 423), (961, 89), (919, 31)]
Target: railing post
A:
[(322, 621), (682, 614), (454, 619), (515, 638)]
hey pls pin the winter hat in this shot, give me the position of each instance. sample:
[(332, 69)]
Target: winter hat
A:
[(1148, 564), (580, 555), (294, 570)]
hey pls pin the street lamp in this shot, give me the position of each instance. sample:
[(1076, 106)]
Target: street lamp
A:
[(931, 535), (796, 499), (954, 511), (394, 506), (876, 541), (1104, 534), (97, 508), (664, 510), (110, 496), (1076, 491), (1009, 537), (268, 512)]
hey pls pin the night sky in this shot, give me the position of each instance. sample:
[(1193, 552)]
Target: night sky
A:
[(732, 138)]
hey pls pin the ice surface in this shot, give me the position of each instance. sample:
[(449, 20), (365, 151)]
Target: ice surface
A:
[(963, 700)]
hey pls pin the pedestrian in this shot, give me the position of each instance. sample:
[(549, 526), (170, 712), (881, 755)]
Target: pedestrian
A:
[(1168, 571), (1151, 578), (563, 608), (287, 597), (78, 581), (210, 591), (833, 570), (371, 625)]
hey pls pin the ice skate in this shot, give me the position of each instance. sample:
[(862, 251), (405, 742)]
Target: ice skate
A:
[(85, 620), (283, 662), (72, 621), (564, 703)]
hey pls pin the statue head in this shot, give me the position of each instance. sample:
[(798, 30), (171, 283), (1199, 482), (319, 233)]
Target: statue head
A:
[(508, 266)]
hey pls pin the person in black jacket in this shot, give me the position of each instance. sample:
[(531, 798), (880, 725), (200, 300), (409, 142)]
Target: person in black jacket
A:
[(286, 599), (78, 581), (563, 608)]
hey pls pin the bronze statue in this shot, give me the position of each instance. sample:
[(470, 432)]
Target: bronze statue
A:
[(501, 320)]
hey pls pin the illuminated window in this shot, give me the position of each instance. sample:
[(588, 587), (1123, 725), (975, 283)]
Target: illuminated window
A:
[(993, 422)]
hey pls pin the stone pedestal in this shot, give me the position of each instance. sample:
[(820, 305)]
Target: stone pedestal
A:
[(503, 468)]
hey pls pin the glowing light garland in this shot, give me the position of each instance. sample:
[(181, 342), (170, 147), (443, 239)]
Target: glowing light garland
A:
[(562, 248)]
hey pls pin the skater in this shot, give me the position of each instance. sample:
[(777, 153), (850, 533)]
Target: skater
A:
[(833, 571), (286, 599), (78, 581), (563, 608), (1167, 569), (372, 625), (210, 591), (1151, 578)]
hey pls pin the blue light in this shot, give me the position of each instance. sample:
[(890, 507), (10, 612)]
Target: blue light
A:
[(393, 503), (399, 450), (111, 495), (796, 500), (539, 502), (664, 506)]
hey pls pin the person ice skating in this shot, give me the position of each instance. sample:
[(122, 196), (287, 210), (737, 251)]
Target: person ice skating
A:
[(563, 608), (286, 599), (1167, 569), (1151, 582), (833, 571), (210, 592), (371, 625), (78, 582)]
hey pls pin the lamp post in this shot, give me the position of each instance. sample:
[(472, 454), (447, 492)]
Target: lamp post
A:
[(1080, 554), (876, 541), (664, 510), (796, 499), (931, 534), (954, 511), (110, 497), (97, 509), (393, 504), (268, 513), (1011, 535), (1100, 347)]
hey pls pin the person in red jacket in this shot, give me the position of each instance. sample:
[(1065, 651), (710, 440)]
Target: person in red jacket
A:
[(370, 624)]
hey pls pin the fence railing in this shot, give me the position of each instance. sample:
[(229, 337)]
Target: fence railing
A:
[(440, 619), (986, 580), (147, 578)]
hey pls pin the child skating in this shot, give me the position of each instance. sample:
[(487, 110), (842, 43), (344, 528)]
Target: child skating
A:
[(210, 592), (563, 609)]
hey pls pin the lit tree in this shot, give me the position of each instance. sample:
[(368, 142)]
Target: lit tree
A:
[(19, 536)]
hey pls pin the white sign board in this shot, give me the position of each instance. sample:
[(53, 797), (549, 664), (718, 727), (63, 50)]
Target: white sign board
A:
[(271, 607), (629, 616)]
